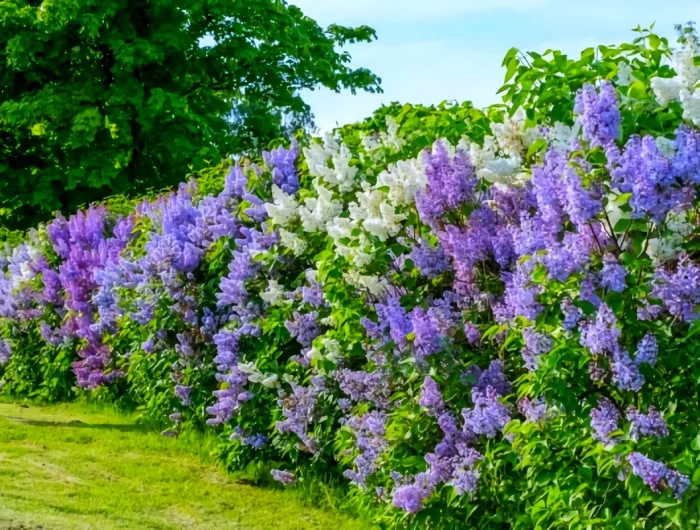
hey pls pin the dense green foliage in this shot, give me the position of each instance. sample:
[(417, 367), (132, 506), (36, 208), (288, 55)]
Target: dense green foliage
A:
[(98, 98)]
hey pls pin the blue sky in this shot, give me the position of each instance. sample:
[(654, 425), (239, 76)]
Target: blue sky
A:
[(432, 50)]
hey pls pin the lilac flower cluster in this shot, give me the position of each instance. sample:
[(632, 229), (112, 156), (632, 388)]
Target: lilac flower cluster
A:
[(605, 420), (656, 475), (451, 182), (598, 114), (370, 431), (298, 409), (680, 290), (650, 424)]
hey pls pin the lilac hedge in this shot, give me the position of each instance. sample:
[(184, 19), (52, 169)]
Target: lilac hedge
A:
[(483, 318)]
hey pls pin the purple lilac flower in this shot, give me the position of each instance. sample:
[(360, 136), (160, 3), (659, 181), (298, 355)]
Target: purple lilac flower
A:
[(493, 377), (183, 393), (678, 482), (535, 410), (227, 399), (531, 360), (520, 297), (313, 294), (281, 161), (451, 182), (5, 352), (283, 477), (604, 421), (572, 314), (536, 344), (472, 333), (580, 204), (686, 162), (601, 336), (427, 339), (227, 350), (255, 441), (430, 396), (410, 497), (395, 317), (598, 113), (369, 430), (539, 343), (650, 424), (431, 328), (464, 474), (625, 372), (361, 386), (304, 327), (548, 186), (596, 372), (647, 350), (654, 473), (613, 274), (298, 409), (588, 294), (465, 478), (431, 262), (680, 290), (488, 416), (643, 170)]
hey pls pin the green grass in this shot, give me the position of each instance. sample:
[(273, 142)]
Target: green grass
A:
[(72, 467)]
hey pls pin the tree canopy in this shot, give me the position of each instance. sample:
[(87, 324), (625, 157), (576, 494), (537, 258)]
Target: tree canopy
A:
[(98, 98)]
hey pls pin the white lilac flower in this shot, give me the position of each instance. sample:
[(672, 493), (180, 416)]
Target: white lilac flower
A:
[(390, 138), (378, 217), (509, 134), (370, 143), (669, 247), (684, 63), (333, 351), (562, 136), (339, 174), (271, 381), (247, 368), (317, 211), (691, 105), (352, 248), (624, 74), (666, 89), (274, 295), (283, 209), (374, 284), (317, 157), (293, 242), (683, 85), (404, 180), (666, 146), (500, 170)]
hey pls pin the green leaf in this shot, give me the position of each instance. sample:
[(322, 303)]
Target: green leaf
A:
[(654, 41), (513, 64), (695, 444), (637, 90)]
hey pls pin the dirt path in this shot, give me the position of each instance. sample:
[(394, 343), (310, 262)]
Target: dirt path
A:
[(64, 467)]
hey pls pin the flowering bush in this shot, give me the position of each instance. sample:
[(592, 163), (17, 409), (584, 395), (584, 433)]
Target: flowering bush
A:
[(483, 318)]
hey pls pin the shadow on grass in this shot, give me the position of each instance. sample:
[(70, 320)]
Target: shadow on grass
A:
[(76, 424)]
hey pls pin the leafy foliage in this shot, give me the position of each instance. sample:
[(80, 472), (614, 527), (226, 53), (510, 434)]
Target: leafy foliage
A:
[(102, 98)]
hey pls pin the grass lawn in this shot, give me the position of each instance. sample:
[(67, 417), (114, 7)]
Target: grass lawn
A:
[(68, 467)]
